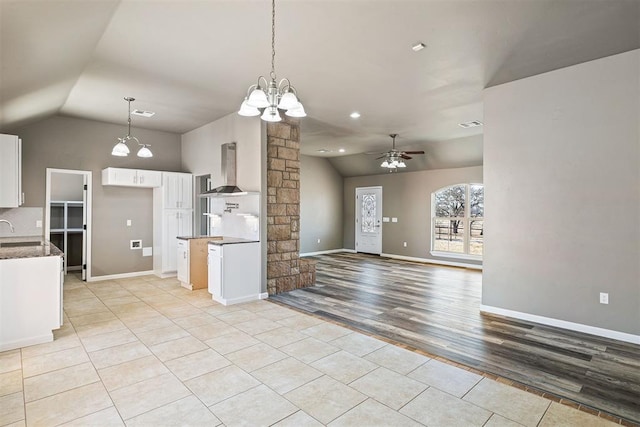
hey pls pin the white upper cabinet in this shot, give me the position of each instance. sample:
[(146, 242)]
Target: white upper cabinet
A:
[(131, 177), (10, 171), (178, 190)]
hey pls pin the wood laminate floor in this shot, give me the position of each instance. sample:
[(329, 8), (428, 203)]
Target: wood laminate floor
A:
[(436, 309)]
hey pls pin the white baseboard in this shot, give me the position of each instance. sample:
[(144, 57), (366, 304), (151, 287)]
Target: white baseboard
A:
[(329, 251), (166, 274), (434, 261), (120, 276), (24, 342), (248, 298), (593, 330)]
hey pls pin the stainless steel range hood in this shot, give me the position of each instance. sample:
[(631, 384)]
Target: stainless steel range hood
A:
[(228, 167)]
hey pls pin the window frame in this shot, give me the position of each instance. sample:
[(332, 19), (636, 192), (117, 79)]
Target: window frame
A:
[(467, 220)]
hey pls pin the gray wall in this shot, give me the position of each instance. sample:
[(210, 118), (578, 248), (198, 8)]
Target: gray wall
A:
[(562, 180), (321, 205), (70, 143), (406, 196)]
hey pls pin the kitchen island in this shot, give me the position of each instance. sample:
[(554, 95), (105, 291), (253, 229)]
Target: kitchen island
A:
[(234, 270), (31, 280)]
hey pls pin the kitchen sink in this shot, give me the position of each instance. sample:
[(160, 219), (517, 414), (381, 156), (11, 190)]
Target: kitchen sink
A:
[(19, 244)]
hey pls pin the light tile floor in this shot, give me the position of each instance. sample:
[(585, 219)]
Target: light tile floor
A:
[(146, 352)]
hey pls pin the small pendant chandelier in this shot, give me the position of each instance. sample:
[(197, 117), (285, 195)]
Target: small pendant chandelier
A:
[(272, 96), (121, 149)]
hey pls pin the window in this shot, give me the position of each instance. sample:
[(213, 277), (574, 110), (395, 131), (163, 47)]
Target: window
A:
[(457, 222)]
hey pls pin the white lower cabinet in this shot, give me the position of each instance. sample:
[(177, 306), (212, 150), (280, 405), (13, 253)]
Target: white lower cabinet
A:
[(31, 303), (182, 260), (234, 272)]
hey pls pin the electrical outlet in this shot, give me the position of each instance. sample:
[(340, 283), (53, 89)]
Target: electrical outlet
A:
[(604, 298), (128, 223), (404, 244), (318, 240), (38, 223)]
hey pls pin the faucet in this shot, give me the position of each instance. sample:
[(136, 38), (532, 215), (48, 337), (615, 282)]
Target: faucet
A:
[(10, 225)]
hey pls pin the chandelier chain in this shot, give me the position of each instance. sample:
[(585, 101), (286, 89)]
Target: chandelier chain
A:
[(273, 39), (129, 120)]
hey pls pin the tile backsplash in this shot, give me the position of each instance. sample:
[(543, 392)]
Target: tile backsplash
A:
[(23, 220)]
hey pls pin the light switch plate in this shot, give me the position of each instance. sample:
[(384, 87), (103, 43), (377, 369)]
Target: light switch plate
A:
[(394, 219), (135, 244), (38, 223), (128, 223), (385, 219)]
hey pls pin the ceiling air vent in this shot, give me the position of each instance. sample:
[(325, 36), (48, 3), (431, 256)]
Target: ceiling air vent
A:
[(471, 124), (143, 113)]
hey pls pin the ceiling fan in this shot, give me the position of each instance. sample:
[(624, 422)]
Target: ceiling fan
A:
[(395, 158)]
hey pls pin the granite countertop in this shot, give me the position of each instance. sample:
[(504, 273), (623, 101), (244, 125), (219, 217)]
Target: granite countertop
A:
[(230, 240), (199, 237), (39, 247)]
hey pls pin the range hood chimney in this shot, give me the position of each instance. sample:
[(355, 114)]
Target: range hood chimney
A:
[(228, 167)]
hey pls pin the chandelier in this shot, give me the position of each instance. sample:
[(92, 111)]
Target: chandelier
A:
[(270, 95), (121, 149), (393, 161)]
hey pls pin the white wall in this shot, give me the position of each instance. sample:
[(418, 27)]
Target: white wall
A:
[(562, 194), (201, 153)]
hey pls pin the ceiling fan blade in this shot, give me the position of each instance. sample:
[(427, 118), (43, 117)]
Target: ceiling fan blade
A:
[(404, 156), (375, 152), (413, 152)]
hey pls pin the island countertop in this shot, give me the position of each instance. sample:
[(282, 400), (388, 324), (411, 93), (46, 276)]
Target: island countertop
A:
[(27, 247)]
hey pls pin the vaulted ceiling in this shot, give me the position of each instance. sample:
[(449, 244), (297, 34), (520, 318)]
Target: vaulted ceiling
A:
[(192, 61)]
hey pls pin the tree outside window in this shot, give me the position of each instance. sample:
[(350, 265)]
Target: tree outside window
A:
[(457, 223)]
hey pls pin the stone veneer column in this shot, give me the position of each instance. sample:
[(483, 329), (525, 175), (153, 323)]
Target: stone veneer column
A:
[(285, 270)]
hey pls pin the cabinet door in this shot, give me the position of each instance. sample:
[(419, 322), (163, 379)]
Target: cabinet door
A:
[(170, 244), (170, 188), (186, 191), (185, 220), (182, 261), (10, 171), (124, 176), (147, 178)]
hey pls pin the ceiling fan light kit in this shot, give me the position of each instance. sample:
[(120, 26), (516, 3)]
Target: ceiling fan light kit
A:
[(271, 95), (394, 159), (121, 149)]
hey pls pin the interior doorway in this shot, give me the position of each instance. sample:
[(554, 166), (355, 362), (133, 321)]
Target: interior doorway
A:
[(369, 220), (68, 217)]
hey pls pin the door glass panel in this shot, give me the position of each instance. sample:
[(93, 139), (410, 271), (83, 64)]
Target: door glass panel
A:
[(368, 213)]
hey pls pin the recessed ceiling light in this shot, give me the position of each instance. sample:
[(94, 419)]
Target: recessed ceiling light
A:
[(143, 113), (418, 47), (354, 115), (471, 124), (342, 150), (323, 150)]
